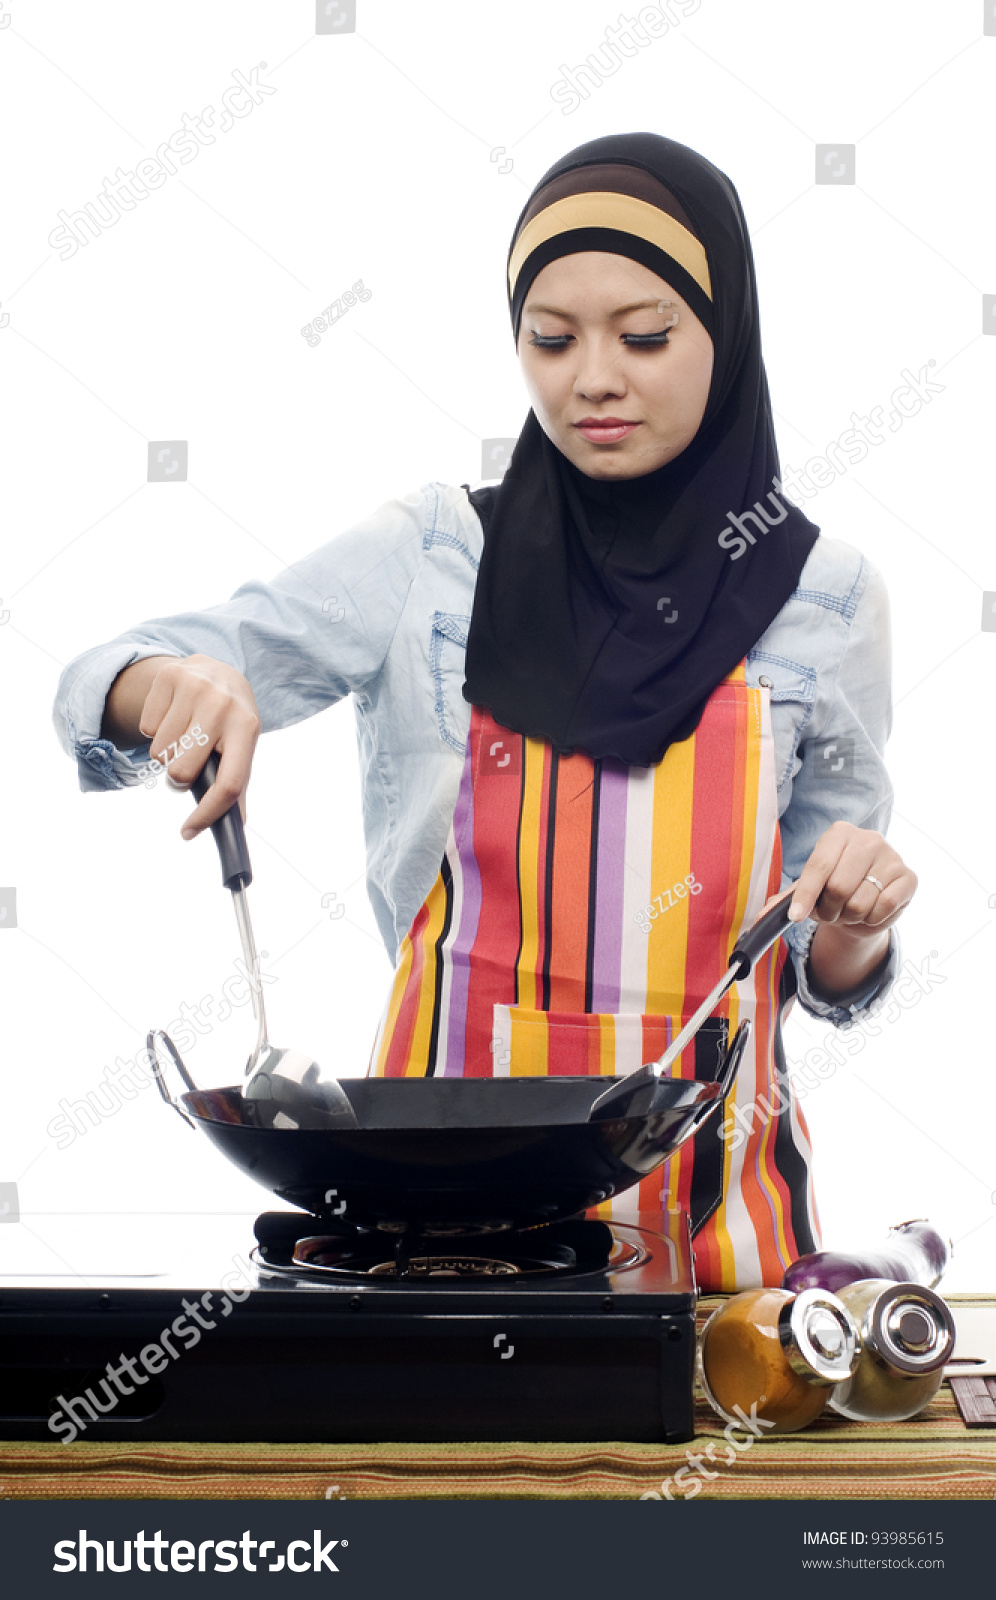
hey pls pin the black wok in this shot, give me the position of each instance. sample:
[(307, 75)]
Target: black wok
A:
[(433, 1154)]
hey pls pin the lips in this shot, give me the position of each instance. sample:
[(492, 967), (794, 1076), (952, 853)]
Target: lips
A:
[(604, 430)]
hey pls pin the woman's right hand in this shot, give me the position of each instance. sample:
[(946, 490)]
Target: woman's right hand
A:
[(197, 691)]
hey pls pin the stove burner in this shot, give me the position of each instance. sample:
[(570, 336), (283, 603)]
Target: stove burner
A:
[(298, 1250), (443, 1230), (442, 1267), (558, 1251)]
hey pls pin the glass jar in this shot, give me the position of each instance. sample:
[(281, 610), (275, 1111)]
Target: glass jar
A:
[(907, 1336), (771, 1355)]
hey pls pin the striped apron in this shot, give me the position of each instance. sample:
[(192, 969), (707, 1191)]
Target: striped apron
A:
[(582, 911)]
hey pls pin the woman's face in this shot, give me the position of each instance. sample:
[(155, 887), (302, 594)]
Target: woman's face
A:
[(603, 312)]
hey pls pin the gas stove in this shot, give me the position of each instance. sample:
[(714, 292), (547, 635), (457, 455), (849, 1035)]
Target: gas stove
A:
[(571, 1331)]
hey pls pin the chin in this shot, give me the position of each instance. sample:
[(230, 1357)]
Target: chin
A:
[(601, 463)]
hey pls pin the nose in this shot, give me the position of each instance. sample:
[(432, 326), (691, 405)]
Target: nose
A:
[(598, 374)]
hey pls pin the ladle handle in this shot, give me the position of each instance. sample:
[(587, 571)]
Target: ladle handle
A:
[(229, 834)]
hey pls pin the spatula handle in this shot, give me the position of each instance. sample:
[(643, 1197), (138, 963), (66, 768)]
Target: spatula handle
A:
[(759, 938)]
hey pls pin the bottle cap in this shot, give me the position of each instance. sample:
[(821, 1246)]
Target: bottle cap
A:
[(910, 1327), (819, 1336)]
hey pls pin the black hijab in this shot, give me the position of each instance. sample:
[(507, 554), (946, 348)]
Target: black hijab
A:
[(605, 613)]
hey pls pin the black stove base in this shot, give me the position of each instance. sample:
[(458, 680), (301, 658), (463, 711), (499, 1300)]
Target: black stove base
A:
[(370, 1379), (601, 1355)]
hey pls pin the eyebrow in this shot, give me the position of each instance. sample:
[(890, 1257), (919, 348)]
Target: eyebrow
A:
[(637, 305)]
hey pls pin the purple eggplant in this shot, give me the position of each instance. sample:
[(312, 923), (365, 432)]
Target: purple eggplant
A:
[(914, 1252)]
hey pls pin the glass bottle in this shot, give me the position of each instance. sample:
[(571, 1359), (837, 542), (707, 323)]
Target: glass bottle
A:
[(775, 1356), (907, 1336)]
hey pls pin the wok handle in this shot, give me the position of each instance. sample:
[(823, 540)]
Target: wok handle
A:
[(229, 834), (759, 938), (727, 1077), (734, 1056), (726, 1081), (153, 1053)]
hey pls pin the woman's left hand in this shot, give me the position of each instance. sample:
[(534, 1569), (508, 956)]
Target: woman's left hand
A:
[(855, 880)]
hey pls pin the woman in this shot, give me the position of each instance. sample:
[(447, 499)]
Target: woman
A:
[(606, 709)]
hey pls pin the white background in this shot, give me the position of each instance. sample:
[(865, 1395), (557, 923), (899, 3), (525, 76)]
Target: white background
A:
[(378, 157)]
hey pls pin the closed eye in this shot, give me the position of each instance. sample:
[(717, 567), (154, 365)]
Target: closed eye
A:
[(646, 340)]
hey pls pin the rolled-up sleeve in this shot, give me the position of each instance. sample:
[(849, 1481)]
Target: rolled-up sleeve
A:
[(305, 639), (843, 777)]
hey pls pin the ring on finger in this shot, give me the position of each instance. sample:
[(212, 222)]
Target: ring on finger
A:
[(869, 878)]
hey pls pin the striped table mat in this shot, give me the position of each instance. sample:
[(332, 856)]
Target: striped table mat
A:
[(932, 1457)]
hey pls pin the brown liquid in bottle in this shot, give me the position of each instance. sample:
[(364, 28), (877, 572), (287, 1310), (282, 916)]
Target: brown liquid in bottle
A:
[(773, 1355)]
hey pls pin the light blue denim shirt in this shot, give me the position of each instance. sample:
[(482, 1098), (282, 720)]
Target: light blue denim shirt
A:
[(382, 611)]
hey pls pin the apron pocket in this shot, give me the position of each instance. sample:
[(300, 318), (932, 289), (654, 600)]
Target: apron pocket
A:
[(580, 1043), (527, 1043)]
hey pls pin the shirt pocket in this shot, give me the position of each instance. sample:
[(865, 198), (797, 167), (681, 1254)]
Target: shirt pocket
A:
[(447, 664), (792, 695)]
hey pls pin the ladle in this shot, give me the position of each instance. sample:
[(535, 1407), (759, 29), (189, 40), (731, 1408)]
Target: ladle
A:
[(286, 1087)]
